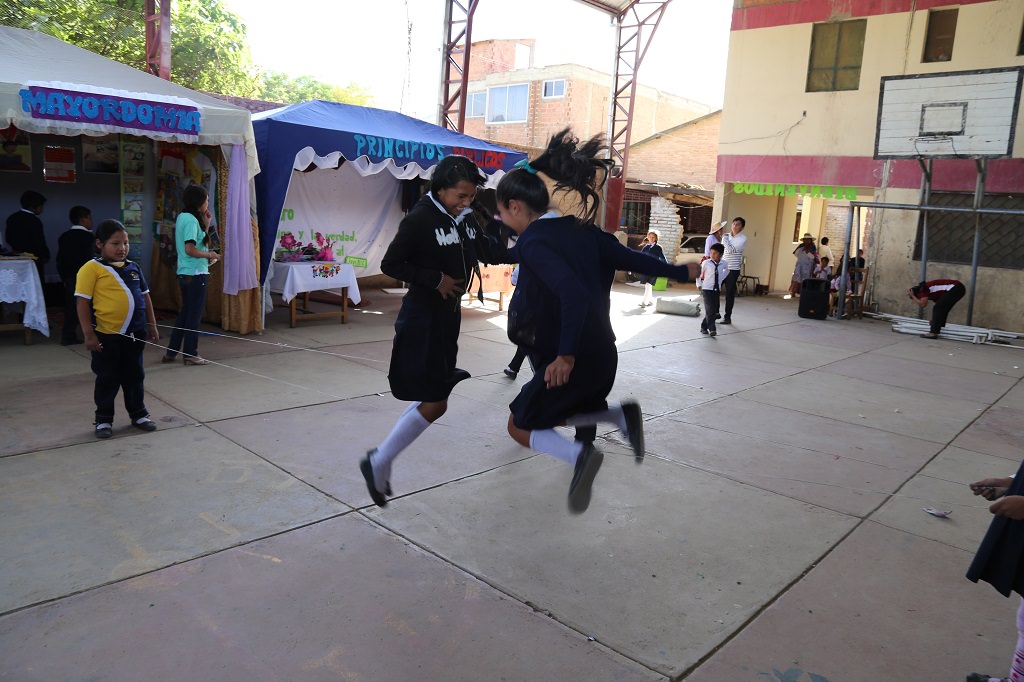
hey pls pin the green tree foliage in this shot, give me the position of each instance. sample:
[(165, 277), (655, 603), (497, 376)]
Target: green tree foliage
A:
[(209, 45), (210, 50), (279, 87), (110, 28)]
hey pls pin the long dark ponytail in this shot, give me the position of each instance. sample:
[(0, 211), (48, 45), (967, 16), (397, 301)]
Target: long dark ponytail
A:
[(193, 197), (574, 167)]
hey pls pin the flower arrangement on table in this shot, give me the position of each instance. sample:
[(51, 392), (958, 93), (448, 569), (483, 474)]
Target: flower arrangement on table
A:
[(292, 250)]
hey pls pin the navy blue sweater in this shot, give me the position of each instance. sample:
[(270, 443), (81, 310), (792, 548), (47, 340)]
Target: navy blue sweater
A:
[(566, 272)]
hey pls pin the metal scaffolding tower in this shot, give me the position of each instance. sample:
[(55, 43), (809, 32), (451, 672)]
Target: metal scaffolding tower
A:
[(637, 22), (158, 38)]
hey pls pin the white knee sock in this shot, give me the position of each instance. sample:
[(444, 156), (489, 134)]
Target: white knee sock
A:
[(548, 442), (407, 429), (648, 292), (613, 415), (1017, 667), (412, 406)]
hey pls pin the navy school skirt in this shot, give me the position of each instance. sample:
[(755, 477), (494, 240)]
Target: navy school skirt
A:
[(425, 349), (538, 407)]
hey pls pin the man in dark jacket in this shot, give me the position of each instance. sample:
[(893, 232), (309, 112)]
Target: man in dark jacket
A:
[(25, 233), (75, 248)]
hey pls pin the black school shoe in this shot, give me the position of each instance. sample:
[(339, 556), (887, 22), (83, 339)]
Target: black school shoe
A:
[(145, 423), (726, 321), (634, 428), (587, 465), (104, 431), (367, 470)]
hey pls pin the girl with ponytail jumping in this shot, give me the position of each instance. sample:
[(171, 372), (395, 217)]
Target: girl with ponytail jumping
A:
[(560, 308)]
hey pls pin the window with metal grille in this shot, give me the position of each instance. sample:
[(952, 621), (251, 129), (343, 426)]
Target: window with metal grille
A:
[(938, 43), (636, 216), (837, 49), (951, 235)]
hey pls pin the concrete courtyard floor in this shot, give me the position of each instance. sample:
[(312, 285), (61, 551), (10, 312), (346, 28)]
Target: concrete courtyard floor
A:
[(775, 531)]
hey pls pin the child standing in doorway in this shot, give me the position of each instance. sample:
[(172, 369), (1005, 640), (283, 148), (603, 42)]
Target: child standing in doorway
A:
[(117, 317)]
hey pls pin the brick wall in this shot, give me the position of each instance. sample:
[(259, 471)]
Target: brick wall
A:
[(836, 217), (686, 155), (584, 107), (495, 56), (665, 219)]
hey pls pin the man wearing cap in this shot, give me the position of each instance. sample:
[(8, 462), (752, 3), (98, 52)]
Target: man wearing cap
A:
[(735, 241)]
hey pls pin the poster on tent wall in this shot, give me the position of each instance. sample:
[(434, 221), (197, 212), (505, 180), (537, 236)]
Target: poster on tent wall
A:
[(133, 171), (356, 217), (58, 164), (100, 154), (178, 166)]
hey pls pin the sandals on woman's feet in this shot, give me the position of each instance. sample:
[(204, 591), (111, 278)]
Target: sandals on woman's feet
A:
[(196, 360)]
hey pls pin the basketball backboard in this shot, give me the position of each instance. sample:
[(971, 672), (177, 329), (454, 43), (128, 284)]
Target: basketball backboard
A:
[(964, 114)]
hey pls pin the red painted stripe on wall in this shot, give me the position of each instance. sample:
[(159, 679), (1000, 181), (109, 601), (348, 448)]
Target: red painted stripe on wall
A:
[(768, 13), (949, 175)]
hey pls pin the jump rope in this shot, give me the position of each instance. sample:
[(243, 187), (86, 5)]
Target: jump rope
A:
[(689, 464)]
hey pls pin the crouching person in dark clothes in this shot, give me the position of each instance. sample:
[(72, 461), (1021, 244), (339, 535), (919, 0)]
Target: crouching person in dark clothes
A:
[(945, 292)]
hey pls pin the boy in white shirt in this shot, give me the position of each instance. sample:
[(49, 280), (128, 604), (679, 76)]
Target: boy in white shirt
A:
[(713, 272)]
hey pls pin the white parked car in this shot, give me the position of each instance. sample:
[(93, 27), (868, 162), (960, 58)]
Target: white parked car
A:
[(691, 250)]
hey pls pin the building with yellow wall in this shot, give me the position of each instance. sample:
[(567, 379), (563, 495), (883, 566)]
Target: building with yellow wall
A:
[(798, 137)]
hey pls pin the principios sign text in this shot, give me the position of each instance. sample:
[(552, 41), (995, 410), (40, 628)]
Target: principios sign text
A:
[(424, 153)]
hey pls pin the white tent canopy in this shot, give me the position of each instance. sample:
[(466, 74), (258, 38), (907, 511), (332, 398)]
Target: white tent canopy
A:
[(48, 86)]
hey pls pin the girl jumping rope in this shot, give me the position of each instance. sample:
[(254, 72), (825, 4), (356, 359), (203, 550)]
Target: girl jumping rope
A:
[(566, 269)]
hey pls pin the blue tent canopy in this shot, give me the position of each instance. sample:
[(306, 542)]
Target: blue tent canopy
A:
[(376, 140)]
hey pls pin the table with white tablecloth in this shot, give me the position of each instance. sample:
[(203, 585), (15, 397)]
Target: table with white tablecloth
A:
[(292, 279), (19, 282)]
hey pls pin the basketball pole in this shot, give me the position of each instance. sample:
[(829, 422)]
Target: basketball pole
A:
[(979, 194), (926, 193)]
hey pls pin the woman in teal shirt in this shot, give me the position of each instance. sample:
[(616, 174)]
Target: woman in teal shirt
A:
[(193, 270)]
